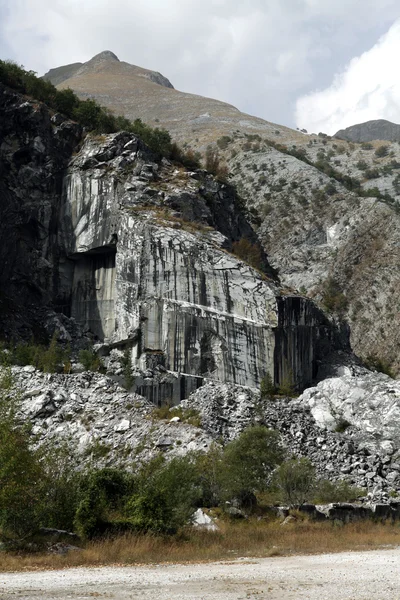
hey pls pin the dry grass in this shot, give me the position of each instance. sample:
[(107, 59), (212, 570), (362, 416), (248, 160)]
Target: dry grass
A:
[(251, 538)]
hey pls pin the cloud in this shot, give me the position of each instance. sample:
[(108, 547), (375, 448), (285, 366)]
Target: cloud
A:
[(367, 88), (259, 55)]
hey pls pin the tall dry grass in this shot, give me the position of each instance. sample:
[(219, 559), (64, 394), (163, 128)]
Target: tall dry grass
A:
[(251, 538)]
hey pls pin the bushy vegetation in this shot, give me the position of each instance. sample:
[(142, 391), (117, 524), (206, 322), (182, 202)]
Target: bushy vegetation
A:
[(333, 298), (382, 151), (249, 253), (42, 487), (379, 364), (90, 360), (295, 479), (52, 358), (214, 165), (90, 114)]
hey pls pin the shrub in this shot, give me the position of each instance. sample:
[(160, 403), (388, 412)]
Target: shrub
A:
[(166, 497), (379, 364), (126, 362), (104, 493), (248, 252), (213, 164), (267, 387), (333, 298), (382, 151), (295, 479), (336, 491), (223, 142), (90, 360), (372, 173), (362, 165), (249, 461)]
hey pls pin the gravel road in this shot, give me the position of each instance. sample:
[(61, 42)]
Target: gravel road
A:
[(371, 575)]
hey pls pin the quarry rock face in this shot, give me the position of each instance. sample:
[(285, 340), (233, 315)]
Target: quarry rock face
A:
[(136, 251), (169, 290)]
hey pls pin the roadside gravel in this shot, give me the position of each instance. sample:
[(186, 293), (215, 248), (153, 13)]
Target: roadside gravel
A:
[(371, 575)]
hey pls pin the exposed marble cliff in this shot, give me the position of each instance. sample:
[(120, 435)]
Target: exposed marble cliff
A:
[(136, 251)]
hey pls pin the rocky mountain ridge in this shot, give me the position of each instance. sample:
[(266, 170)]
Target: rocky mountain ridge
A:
[(379, 129)]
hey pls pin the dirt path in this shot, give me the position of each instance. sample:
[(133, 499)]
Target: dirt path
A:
[(347, 576)]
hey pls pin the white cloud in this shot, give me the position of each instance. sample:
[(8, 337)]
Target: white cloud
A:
[(368, 88), (259, 55)]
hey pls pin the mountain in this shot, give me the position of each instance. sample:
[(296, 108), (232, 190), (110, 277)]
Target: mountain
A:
[(139, 93), (379, 129), (326, 211), (162, 267)]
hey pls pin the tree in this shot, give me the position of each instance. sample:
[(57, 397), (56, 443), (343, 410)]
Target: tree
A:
[(21, 472), (249, 461), (267, 387), (166, 497), (295, 479)]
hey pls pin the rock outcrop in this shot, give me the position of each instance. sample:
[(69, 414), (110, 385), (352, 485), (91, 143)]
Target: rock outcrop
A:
[(379, 129)]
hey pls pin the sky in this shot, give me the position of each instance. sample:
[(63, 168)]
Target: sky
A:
[(316, 64)]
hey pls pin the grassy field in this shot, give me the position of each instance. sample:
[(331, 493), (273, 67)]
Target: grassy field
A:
[(251, 538)]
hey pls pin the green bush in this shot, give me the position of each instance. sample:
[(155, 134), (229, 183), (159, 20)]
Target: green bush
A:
[(103, 496), (286, 387), (126, 363), (379, 364), (51, 359), (382, 151), (340, 491), (267, 387), (249, 253), (167, 495), (372, 173), (333, 298), (249, 461), (90, 360), (295, 480)]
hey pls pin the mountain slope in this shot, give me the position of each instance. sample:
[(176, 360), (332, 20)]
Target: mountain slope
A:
[(136, 92)]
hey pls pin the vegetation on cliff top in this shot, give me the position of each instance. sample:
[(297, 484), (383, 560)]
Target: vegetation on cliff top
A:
[(90, 114)]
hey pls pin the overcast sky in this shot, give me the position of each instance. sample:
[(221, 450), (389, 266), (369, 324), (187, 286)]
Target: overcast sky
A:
[(316, 64)]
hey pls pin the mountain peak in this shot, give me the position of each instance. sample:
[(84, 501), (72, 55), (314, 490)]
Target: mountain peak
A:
[(105, 55)]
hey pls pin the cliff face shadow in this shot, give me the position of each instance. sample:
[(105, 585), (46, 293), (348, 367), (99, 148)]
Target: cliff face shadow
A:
[(93, 291)]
